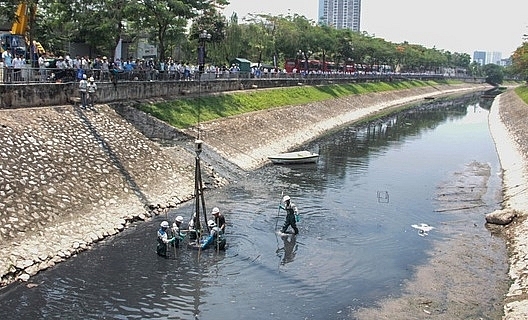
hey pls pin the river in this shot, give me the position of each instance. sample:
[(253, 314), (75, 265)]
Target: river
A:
[(357, 245)]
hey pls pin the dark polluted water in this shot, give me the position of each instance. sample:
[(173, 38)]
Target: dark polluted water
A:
[(356, 246)]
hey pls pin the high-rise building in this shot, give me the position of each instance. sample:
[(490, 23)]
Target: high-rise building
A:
[(484, 58), (340, 14), (493, 57), (479, 57)]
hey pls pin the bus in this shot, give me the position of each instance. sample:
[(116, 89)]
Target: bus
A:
[(312, 65)]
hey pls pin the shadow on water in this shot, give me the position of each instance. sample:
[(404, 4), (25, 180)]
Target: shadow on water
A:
[(356, 245)]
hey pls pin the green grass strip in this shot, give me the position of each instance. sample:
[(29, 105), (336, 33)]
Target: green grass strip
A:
[(186, 112), (522, 92)]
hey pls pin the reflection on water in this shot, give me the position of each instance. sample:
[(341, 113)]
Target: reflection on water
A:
[(288, 250), (356, 243)]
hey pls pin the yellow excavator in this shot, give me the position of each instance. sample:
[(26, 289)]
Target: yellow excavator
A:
[(16, 41)]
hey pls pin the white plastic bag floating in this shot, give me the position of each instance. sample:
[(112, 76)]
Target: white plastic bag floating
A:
[(423, 228)]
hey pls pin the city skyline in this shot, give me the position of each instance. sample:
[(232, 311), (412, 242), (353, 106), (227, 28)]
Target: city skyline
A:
[(455, 26)]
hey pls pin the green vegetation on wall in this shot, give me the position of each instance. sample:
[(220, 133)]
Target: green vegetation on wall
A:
[(522, 91), (184, 113)]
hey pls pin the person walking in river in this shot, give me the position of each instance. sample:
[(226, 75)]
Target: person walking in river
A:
[(292, 214), (163, 239)]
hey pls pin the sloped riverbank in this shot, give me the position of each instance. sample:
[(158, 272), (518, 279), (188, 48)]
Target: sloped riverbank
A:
[(72, 178)]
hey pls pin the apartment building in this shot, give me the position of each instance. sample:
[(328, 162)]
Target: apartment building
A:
[(340, 14)]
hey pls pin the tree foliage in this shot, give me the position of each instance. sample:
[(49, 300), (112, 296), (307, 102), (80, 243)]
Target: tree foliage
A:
[(520, 61), (494, 73), (263, 39)]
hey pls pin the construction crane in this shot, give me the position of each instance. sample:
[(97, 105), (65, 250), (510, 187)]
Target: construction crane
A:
[(16, 41)]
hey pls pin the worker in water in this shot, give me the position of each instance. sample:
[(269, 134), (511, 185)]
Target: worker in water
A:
[(215, 238), (193, 232), (177, 231), (219, 219), (292, 214), (163, 239)]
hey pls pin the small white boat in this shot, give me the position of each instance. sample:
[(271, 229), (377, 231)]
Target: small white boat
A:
[(294, 157)]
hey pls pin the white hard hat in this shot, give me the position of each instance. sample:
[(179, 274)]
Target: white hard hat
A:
[(164, 224), (215, 210), (285, 198), (179, 219), (91, 79), (84, 76), (211, 224)]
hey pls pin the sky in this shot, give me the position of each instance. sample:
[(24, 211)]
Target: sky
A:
[(462, 26)]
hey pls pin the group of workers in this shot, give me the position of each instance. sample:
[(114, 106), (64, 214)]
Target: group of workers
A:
[(173, 236), (216, 226), (87, 89)]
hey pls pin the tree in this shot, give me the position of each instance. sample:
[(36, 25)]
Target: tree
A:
[(212, 21), (261, 38), (232, 45), (164, 17), (98, 23), (494, 73), (520, 61)]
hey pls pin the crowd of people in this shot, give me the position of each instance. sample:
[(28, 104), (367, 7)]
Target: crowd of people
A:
[(51, 68)]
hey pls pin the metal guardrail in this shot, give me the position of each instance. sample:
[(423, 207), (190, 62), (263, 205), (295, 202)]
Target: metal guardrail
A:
[(54, 75)]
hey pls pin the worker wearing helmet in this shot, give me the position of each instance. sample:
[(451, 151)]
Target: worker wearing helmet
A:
[(215, 238), (163, 239), (219, 219), (83, 85), (91, 88), (177, 230), (292, 214)]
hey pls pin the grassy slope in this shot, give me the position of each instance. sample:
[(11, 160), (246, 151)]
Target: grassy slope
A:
[(522, 91), (186, 112)]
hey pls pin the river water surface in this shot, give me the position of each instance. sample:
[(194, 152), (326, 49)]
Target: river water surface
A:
[(356, 246)]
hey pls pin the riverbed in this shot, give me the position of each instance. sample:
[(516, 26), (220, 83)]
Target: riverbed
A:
[(357, 250)]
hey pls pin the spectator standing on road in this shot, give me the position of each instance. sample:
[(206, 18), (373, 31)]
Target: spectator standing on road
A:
[(42, 67), (105, 69), (8, 66), (18, 64)]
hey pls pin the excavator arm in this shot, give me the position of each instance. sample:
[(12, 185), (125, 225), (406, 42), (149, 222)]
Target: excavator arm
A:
[(22, 16), (18, 40)]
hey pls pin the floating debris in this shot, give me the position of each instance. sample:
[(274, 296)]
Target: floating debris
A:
[(423, 228), (383, 196)]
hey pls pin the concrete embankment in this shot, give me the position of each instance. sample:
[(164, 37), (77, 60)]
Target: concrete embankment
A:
[(510, 132), (287, 128), (70, 177)]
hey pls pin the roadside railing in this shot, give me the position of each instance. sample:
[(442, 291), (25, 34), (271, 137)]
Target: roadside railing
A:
[(55, 75)]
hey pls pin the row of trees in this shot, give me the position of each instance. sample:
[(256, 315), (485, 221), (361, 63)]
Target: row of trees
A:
[(174, 27)]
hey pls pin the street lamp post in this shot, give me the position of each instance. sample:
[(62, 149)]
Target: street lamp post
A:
[(203, 36)]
